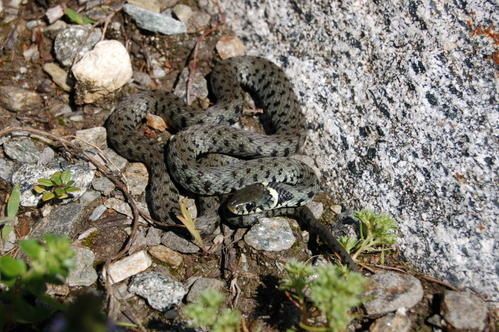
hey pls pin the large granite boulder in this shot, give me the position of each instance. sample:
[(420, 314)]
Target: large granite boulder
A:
[(401, 102)]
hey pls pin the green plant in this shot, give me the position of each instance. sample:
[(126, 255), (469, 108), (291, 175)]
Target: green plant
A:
[(333, 290), (11, 213), (207, 313), (58, 186), (24, 299), (77, 18), (377, 234)]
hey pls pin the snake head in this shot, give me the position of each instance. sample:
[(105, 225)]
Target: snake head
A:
[(254, 198)]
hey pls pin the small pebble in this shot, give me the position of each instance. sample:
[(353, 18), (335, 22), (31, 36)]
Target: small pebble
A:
[(103, 184), (129, 266), (202, 284), (75, 41), (390, 291), (58, 75), (18, 99), (199, 86), (97, 212), (83, 273), (101, 71), (156, 122), (166, 255), (177, 243), (182, 12), (398, 322), (22, 150), (230, 46), (464, 311), (54, 13), (162, 292), (137, 177), (270, 234), (154, 22), (151, 5)]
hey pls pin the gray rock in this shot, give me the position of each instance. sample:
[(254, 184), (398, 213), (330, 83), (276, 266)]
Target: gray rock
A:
[(153, 236), (52, 30), (143, 79), (74, 41), (89, 196), (83, 274), (6, 169), (390, 291), (270, 234), (137, 178), (161, 292), (116, 162), (199, 86), (177, 243), (183, 12), (47, 155), (464, 311), (58, 75), (166, 255), (154, 22), (198, 21), (96, 136), (119, 206), (400, 101), (103, 184), (22, 150), (398, 322), (17, 99), (140, 241), (97, 212), (202, 284), (62, 220), (27, 175)]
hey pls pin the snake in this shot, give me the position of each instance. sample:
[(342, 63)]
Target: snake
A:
[(262, 180)]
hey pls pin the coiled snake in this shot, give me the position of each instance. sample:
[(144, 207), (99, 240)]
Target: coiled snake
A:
[(263, 181)]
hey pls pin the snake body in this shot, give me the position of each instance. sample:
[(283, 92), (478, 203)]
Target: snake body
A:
[(285, 184)]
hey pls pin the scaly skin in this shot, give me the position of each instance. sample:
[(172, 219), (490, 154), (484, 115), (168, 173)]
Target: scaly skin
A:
[(200, 132)]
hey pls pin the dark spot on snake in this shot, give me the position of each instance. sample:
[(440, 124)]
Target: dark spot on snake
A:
[(310, 194), (274, 153), (188, 180), (286, 151), (255, 177)]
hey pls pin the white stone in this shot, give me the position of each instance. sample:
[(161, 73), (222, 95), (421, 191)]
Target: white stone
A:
[(129, 266), (54, 13), (103, 70)]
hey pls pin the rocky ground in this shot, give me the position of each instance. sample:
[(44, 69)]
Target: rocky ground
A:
[(400, 101)]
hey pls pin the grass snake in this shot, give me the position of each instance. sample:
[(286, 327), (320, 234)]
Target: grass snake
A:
[(264, 180)]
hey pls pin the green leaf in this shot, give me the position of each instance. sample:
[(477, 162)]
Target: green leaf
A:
[(12, 267), (56, 178), (31, 248), (59, 192), (39, 189), (66, 176), (70, 183), (72, 189), (45, 182), (76, 18), (47, 196), (6, 230), (13, 203)]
